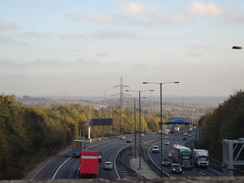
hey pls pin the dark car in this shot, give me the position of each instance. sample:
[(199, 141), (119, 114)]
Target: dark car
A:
[(166, 162), (176, 168), (184, 138), (129, 140)]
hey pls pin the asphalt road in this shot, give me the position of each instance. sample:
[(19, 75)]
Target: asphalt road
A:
[(66, 167), (194, 172)]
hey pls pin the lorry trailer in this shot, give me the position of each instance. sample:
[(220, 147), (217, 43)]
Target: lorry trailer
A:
[(89, 164)]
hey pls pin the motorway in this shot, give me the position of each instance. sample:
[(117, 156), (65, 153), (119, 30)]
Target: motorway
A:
[(66, 167), (194, 172)]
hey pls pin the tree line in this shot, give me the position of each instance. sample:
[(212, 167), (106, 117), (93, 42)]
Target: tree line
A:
[(225, 122), (30, 134)]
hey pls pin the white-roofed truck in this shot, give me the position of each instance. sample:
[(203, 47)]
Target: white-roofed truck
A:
[(200, 157)]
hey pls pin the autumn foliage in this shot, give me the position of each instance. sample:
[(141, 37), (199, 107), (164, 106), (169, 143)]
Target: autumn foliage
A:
[(29, 134)]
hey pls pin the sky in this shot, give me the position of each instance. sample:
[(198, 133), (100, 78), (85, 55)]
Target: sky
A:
[(83, 48)]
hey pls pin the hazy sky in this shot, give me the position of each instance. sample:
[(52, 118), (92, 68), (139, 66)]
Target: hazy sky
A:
[(81, 47)]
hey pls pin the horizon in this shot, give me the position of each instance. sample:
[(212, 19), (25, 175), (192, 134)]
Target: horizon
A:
[(85, 47), (201, 100)]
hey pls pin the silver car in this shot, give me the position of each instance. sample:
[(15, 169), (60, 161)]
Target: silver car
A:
[(108, 165), (170, 154), (155, 149), (166, 142), (122, 138)]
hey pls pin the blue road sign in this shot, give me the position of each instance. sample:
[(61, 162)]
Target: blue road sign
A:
[(177, 119)]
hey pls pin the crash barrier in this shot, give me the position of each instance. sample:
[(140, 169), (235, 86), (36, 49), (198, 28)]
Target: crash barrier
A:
[(119, 159), (152, 165), (136, 180), (217, 165)]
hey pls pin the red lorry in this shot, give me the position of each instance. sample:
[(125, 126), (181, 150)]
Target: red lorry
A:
[(89, 164)]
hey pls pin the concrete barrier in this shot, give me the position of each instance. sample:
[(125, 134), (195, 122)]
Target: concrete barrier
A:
[(136, 180)]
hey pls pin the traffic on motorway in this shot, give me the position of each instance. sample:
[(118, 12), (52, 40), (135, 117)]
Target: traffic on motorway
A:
[(180, 158), (67, 166)]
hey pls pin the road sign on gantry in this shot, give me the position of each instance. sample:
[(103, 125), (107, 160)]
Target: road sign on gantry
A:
[(100, 122), (177, 119)]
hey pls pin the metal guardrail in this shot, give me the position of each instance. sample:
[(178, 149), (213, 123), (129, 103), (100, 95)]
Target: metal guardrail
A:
[(152, 165), (145, 158), (218, 165), (131, 171), (157, 170)]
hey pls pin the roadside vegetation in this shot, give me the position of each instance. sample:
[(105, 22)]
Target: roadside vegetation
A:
[(225, 122), (30, 134)]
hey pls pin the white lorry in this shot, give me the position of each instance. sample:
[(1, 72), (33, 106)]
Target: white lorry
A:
[(166, 131), (176, 129), (200, 157)]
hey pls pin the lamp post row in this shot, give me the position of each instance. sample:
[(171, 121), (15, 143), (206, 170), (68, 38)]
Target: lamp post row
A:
[(139, 91), (161, 117), (161, 114)]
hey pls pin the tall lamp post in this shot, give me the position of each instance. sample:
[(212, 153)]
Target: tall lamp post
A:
[(139, 91), (135, 124), (237, 47), (161, 115)]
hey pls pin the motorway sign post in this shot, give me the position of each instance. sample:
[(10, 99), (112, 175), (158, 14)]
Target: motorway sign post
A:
[(98, 122)]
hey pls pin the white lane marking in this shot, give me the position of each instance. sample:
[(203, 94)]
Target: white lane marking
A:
[(202, 173), (148, 153), (60, 167), (115, 167), (46, 165), (215, 171), (186, 174)]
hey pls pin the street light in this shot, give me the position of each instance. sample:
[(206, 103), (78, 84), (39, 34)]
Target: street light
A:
[(139, 91), (161, 115), (135, 125), (237, 47)]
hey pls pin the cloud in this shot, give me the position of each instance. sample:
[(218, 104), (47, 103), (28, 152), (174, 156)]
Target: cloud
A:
[(11, 40), (206, 9), (134, 13), (73, 36), (39, 35), (46, 62), (228, 12), (101, 54), (114, 34), (7, 62), (85, 62), (98, 18), (6, 25), (138, 8), (169, 18), (48, 35), (49, 63)]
